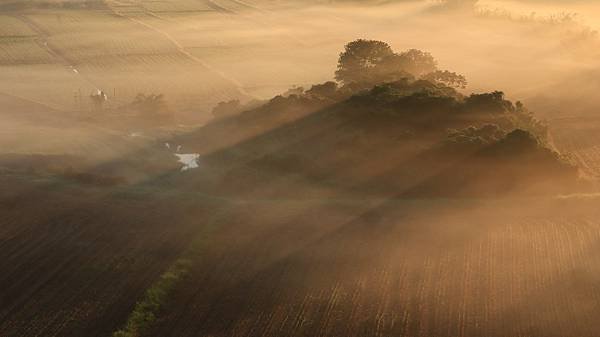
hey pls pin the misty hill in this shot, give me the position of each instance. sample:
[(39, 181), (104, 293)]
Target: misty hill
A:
[(392, 124), (410, 136)]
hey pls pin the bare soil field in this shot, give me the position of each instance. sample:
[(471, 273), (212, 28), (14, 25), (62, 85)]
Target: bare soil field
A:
[(60, 269), (323, 266), (393, 271)]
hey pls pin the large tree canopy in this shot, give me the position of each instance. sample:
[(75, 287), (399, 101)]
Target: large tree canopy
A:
[(417, 62), (359, 60), (371, 62)]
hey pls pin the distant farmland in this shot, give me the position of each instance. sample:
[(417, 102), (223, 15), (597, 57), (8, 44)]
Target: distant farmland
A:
[(177, 48), (85, 50)]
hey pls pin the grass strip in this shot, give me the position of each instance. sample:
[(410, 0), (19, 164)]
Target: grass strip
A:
[(146, 310), (144, 313)]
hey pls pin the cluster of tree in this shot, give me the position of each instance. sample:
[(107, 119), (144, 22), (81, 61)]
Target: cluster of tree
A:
[(374, 81), (233, 107), (486, 161), (227, 108), (477, 136), (152, 107), (517, 141), (285, 107), (521, 147), (511, 116), (365, 63), (381, 97), (425, 104), (490, 141), (419, 100), (362, 65)]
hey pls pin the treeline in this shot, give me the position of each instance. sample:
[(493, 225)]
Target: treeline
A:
[(374, 82)]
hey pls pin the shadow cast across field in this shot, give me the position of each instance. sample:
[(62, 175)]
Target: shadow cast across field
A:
[(183, 198), (331, 281), (94, 205), (230, 304)]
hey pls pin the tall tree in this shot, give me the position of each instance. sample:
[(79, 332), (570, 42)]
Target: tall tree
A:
[(359, 60)]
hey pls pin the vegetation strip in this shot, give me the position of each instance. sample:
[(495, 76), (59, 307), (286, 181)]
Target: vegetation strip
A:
[(146, 310), (144, 313)]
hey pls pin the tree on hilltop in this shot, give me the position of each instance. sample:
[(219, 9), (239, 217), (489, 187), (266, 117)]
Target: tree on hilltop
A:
[(366, 63)]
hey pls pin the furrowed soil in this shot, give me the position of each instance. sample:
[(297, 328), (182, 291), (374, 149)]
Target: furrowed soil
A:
[(315, 260)]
